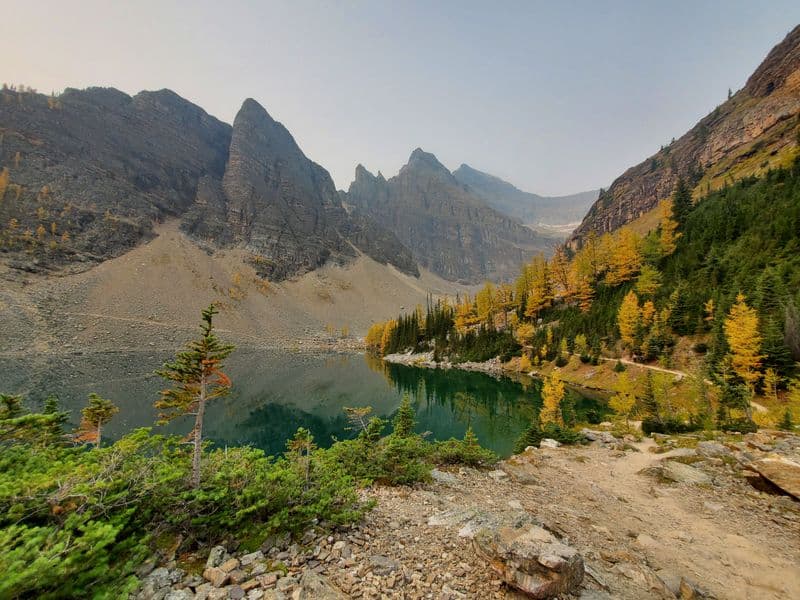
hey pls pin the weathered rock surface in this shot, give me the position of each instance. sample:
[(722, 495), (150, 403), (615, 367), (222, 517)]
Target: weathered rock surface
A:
[(448, 228), (781, 471), (97, 168), (752, 131), (529, 557)]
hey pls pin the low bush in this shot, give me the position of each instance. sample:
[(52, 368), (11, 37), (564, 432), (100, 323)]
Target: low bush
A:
[(466, 451), (535, 434), (668, 426)]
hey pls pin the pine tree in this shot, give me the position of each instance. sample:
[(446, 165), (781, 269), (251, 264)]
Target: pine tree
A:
[(97, 413), (681, 202), (648, 400), (300, 448), (649, 281), (404, 421), (197, 373)]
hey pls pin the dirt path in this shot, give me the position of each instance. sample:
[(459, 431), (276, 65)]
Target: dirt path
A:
[(722, 536), (678, 374)]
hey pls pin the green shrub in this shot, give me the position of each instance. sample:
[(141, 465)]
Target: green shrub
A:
[(743, 425), (668, 425), (619, 367), (561, 361), (463, 452), (535, 434)]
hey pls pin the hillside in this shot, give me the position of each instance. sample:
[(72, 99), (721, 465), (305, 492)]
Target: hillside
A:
[(449, 229), (755, 130), (531, 209), (149, 295), (87, 174)]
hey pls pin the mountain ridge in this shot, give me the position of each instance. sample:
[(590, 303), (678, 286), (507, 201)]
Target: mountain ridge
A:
[(756, 129), (87, 174), (449, 229), (528, 207)]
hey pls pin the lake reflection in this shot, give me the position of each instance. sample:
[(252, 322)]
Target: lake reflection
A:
[(275, 392)]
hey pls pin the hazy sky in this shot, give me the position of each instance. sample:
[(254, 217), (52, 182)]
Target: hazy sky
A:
[(556, 97)]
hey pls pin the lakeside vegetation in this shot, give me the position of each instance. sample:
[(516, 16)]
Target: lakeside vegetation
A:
[(77, 518), (713, 291)]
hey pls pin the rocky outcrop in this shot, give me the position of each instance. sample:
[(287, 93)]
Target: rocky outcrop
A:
[(754, 130), (448, 228), (85, 175), (529, 557), (525, 206), (780, 471), (100, 165)]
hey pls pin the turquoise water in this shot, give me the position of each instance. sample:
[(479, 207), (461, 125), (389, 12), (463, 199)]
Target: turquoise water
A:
[(274, 393)]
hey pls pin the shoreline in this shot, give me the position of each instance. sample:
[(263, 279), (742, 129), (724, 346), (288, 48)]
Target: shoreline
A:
[(493, 367)]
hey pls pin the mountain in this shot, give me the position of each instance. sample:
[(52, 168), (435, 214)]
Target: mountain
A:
[(529, 208), (449, 229), (282, 207), (87, 174), (755, 130)]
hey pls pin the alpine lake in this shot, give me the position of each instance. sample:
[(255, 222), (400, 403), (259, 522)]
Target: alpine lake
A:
[(276, 391)]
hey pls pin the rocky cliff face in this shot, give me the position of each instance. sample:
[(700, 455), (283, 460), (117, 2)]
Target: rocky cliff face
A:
[(756, 129), (447, 227), (84, 176), (525, 206), (96, 167)]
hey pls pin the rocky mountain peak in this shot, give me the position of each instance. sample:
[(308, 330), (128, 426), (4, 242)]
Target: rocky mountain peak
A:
[(421, 160), (779, 64), (748, 134)]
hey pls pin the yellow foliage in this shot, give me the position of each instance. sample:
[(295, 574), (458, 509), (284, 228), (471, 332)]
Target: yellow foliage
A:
[(524, 333), (552, 395), (624, 400), (41, 232), (667, 225), (391, 325), (540, 287), (485, 303), (629, 319), (624, 257), (741, 331), (4, 179), (524, 365), (649, 281), (374, 336)]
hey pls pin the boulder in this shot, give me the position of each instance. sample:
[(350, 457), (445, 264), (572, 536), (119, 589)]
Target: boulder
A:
[(316, 587), (216, 576), (709, 449), (549, 443), (216, 557), (603, 437), (529, 557), (780, 471), (681, 473)]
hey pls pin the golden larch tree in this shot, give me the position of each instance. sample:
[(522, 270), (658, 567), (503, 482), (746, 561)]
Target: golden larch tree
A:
[(552, 395), (744, 339), (629, 319)]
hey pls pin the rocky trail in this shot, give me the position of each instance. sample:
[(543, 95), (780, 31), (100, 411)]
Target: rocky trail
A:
[(685, 523)]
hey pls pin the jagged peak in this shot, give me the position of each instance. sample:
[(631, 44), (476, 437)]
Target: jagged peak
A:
[(420, 158), (251, 108)]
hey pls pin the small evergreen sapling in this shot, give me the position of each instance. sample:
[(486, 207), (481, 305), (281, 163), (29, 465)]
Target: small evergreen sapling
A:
[(97, 413), (197, 373)]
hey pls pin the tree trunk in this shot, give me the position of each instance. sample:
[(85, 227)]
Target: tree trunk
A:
[(198, 434)]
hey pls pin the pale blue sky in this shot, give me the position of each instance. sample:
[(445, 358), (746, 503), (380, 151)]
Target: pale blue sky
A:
[(556, 97)]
